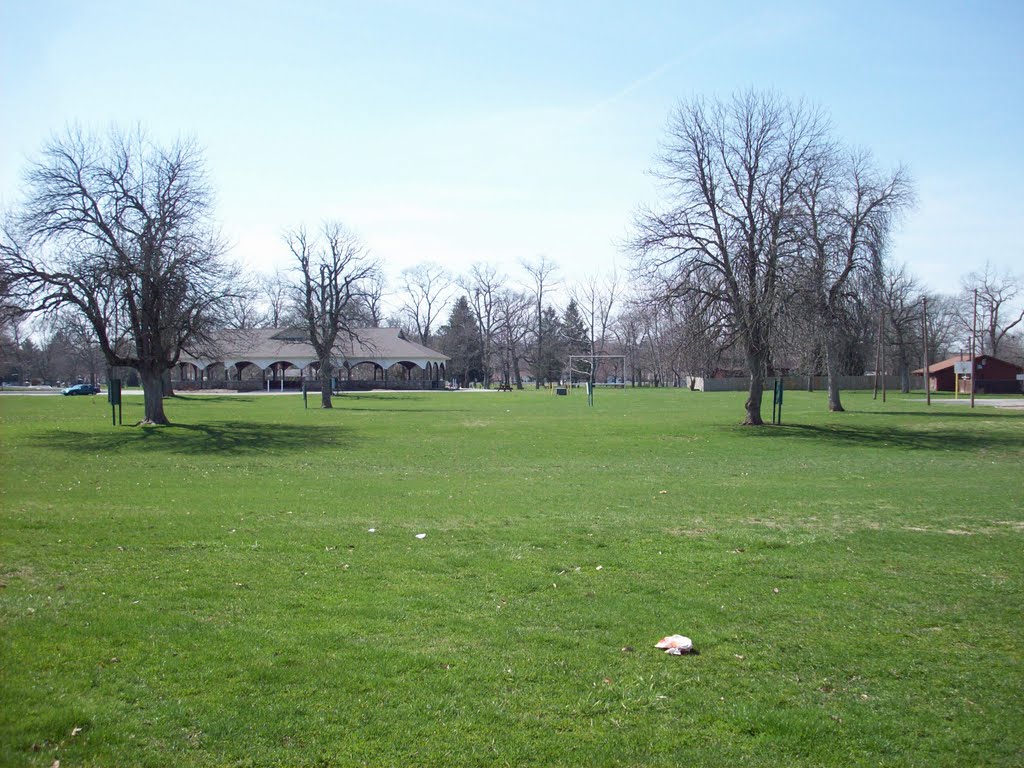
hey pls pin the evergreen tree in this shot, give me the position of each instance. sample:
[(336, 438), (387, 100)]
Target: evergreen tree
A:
[(460, 340), (574, 331), (550, 363)]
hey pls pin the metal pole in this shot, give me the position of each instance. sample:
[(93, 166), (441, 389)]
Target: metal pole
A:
[(782, 386), (924, 324), (878, 353), (974, 336), (883, 364)]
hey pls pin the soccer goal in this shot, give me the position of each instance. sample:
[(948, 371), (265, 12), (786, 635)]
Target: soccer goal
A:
[(597, 370)]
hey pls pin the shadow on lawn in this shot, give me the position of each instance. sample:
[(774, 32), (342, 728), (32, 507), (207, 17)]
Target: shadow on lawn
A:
[(222, 438), (896, 437), (212, 398)]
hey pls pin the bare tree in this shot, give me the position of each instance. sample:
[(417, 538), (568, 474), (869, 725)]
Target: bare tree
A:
[(120, 231), (334, 269), (83, 344), (373, 299), (275, 292), (597, 296), (731, 171), (641, 329), (945, 331), (900, 298), (428, 288), (542, 277), (847, 207), (999, 311), (243, 309), (512, 316), (482, 285)]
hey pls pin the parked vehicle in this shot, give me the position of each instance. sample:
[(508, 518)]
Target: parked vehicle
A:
[(81, 389)]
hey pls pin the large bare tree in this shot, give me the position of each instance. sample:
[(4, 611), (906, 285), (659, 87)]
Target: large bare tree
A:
[(119, 229), (334, 271), (731, 175), (846, 209)]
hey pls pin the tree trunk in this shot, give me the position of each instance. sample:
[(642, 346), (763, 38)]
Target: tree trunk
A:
[(757, 364), (753, 404), (326, 369), (904, 378), (168, 387), (832, 368), (153, 397)]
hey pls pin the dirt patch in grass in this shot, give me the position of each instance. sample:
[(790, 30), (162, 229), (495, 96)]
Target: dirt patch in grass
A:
[(15, 573)]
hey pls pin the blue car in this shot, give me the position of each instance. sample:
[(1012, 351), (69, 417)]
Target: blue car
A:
[(81, 389)]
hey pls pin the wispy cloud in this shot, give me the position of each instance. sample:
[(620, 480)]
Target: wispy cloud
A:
[(637, 84)]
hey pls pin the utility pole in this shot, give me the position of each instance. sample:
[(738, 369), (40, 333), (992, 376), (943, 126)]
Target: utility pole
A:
[(974, 336), (924, 324)]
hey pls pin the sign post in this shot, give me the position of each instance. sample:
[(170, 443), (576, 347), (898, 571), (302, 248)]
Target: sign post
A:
[(114, 397), (305, 387), (777, 402), (962, 370)]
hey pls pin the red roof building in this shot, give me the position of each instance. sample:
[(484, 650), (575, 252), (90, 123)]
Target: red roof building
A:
[(993, 376)]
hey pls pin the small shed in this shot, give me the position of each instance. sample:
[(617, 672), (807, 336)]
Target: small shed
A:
[(993, 376)]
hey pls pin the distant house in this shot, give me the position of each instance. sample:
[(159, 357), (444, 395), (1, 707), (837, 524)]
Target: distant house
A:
[(993, 376)]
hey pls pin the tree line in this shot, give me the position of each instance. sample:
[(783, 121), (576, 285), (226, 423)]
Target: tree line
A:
[(768, 253)]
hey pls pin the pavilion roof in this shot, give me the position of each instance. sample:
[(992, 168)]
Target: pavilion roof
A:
[(290, 344)]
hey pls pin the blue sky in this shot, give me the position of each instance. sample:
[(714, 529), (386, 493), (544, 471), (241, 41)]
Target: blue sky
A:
[(458, 131)]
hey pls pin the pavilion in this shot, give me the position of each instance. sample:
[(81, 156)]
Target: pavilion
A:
[(264, 358)]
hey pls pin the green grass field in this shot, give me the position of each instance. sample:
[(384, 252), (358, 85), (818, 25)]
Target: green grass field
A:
[(210, 594)]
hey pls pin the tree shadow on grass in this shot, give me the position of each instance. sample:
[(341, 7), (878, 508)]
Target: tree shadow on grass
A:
[(889, 436), (213, 398), (230, 438)]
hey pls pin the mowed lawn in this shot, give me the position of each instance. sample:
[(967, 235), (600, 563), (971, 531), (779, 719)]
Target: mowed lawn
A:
[(211, 594)]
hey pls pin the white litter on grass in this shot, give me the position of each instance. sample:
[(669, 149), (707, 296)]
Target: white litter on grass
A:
[(372, 530), (675, 645), (421, 535)]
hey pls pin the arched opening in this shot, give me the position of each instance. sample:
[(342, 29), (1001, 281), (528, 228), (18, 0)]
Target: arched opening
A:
[(186, 375), (364, 374), (284, 374)]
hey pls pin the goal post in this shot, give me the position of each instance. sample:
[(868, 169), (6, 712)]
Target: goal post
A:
[(597, 370)]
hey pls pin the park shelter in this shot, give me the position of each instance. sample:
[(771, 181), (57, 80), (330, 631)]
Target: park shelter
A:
[(368, 358), (993, 376)]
